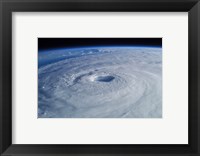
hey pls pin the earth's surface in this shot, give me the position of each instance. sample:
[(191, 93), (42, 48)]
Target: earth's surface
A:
[(100, 82)]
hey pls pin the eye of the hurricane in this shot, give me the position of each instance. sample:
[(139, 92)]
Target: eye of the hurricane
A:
[(104, 78)]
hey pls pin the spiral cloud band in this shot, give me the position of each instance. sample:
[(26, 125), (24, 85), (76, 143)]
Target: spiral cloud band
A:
[(100, 82)]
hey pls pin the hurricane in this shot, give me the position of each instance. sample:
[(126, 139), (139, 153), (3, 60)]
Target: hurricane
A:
[(100, 82)]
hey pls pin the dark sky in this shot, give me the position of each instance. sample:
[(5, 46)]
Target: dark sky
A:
[(51, 43)]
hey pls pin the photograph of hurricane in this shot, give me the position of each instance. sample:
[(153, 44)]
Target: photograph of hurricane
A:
[(99, 77)]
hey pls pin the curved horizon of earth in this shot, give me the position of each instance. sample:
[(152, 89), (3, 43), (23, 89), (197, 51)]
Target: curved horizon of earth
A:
[(100, 82)]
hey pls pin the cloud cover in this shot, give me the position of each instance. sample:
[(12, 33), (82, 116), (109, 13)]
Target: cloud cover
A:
[(100, 82)]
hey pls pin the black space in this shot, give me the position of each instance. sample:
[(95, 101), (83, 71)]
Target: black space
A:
[(51, 43)]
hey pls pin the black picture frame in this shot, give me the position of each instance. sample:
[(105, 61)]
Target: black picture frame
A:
[(9, 6)]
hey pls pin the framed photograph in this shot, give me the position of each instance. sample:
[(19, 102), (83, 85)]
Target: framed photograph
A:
[(99, 77)]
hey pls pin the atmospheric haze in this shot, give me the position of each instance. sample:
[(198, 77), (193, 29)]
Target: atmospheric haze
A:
[(100, 82)]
